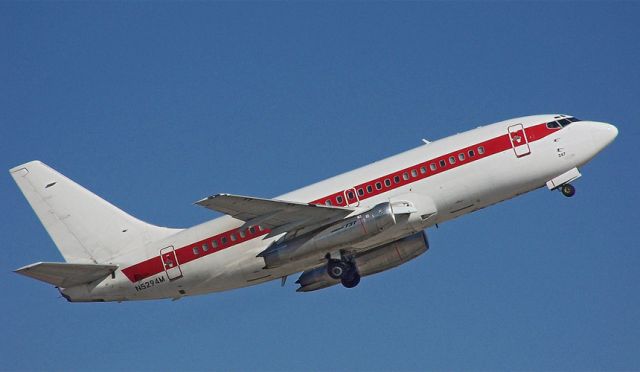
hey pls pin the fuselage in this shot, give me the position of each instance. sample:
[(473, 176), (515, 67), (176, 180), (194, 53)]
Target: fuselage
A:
[(443, 180)]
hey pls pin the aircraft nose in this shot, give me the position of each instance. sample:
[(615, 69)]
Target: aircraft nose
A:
[(603, 134)]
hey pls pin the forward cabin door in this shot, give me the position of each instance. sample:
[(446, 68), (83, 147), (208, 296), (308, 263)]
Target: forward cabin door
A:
[(519, 141), (170, 263)]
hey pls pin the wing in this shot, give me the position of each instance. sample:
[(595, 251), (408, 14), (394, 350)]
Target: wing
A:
[(62, 274), (277, 215)]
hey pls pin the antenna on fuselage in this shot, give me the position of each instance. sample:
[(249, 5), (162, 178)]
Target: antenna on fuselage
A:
[(426, 142)]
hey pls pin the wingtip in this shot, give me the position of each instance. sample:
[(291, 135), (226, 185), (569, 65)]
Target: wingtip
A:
[(203, 200)]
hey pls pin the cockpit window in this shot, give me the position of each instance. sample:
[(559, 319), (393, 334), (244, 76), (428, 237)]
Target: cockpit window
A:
[(561, 123)]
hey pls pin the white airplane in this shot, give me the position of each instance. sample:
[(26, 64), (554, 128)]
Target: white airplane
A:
[(335, 231)]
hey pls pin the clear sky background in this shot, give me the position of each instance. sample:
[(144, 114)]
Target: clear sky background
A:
[(156, 105)]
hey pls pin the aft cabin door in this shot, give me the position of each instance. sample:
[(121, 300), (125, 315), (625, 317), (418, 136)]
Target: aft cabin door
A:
[(170, 263), (519, 140)]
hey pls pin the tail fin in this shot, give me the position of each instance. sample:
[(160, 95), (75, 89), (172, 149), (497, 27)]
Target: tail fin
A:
[(84, 227)]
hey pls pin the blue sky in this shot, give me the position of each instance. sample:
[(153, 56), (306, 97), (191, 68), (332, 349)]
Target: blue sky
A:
[(156, 105)]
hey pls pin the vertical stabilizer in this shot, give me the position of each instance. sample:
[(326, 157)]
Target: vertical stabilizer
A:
[(84, 227)]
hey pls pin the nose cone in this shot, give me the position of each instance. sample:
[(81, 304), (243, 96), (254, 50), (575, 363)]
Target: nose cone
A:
[(603, 134)]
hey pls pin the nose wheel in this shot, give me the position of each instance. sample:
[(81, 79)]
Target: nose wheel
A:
[(345, 271), (568, 190)]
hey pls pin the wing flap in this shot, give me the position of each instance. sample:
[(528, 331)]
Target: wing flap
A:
[(62, 274), (278, 215)]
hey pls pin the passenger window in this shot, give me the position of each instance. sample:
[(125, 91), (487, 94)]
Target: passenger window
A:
[(252, 230), (327, 202), (461, 156), (224, 240), (369, 189), (378, 185), (205, 247), (242, 234), (432, 166), (233, 237), (442, 163), (350, 195), (396, 179), (423, 170), (452, 160), (414, 173), (214, 244), (360, 191), (387, 182), (471, 153), (405, 176), (195, 250), (339, 199), (481, 150), (260, 228)]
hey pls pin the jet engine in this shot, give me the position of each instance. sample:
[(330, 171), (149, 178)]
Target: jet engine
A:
[(369, 262), (342, 234)]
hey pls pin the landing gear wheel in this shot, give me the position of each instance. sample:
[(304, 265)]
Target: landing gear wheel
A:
[(351, 279), (568, 190), (337, 269)]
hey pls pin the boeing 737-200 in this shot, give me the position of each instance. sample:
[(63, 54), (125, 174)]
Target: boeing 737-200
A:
[(335, 231)]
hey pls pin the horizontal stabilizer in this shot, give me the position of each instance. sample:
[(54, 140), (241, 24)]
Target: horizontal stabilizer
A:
[(66, 275)]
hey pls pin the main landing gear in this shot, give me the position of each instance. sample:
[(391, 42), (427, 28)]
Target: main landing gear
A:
[(345, 270), (568, 190)]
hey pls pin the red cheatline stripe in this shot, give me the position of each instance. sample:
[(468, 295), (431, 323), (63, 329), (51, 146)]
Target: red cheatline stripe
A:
[(185, 254)]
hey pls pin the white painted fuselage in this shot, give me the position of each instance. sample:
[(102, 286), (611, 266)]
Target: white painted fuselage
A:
[(442, 180)]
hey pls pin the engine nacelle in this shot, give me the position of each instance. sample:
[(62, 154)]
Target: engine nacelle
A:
[(342, 234), (370, 262)]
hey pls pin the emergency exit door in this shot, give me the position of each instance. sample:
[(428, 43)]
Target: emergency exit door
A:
[(519, 140), (351, 197), (170, 263)]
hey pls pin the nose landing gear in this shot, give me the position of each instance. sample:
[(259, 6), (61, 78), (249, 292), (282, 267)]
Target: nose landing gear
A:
[(345, 270), (568, 190)]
